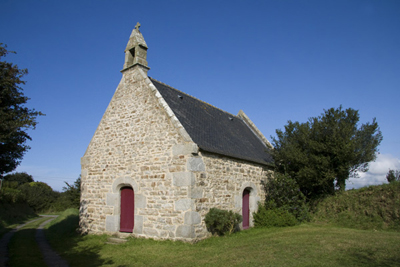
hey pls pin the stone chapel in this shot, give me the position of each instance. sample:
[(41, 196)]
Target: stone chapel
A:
[(160, 159)]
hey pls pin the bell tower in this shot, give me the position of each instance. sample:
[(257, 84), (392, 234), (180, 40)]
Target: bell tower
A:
[(136, 50)]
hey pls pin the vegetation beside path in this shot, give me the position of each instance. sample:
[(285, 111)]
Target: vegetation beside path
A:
[(12, 215)]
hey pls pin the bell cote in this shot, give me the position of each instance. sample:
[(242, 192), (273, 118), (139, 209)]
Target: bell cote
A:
[(136, 50)]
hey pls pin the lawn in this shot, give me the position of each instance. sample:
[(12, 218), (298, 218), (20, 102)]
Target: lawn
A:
[(303, 245)]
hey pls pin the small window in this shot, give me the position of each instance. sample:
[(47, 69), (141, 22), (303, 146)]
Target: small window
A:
[(132, 51)]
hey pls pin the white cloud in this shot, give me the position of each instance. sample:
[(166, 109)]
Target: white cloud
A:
[(376, 173)]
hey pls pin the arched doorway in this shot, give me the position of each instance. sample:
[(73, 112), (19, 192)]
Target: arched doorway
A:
[(246, 208), (127, 210)]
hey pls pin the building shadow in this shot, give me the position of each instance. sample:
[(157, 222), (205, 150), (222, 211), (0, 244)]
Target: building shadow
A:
[(66, 232)]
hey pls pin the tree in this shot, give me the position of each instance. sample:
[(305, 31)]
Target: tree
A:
[(19, 177), (73, 193), (324, 152), (393, 176), (39, 196), (15, 117), (283, 192)]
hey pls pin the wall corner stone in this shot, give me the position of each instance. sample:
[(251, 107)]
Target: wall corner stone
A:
[(185, 231), (183, 178), (183, 204), (196, 164), (192, 217)]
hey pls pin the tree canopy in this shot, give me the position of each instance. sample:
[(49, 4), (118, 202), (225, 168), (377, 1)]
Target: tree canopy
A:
[(39, 195), (324, 152), (15, 117), (393, 175), (72, 193), (19, 177)]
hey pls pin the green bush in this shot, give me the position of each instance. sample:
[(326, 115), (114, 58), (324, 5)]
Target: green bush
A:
[(282, 192), (38, 195), (276, 217), (11, 196), (222, 222), (13, 213)]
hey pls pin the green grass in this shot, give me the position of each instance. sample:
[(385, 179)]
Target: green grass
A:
[(12, 215), (304, 245), (373, 207), (23, 249)]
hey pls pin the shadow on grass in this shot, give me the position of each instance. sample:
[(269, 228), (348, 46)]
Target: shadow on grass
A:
[(12, 215), (64, 239), (368, 258)]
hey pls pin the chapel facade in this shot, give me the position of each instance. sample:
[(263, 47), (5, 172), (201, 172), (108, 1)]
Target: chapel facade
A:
[(160, 159)]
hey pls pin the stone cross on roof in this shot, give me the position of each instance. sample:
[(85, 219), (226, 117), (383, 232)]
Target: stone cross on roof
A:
[(137, 26)]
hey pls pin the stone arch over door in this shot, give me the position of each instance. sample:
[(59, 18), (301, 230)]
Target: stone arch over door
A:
[(114, 201), (253, 194)]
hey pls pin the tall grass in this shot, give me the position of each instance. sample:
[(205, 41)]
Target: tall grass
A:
[(373, 207)]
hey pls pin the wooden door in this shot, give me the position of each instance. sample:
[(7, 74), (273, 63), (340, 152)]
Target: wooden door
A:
[(246, 209), (127, 210)]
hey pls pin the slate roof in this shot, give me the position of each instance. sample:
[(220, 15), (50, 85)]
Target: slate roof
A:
[(212, 129)]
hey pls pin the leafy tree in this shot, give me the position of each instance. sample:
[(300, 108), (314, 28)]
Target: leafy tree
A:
[(282, 192), (19, 177), (393, 176), (324, 152), (15, 117), (73, 193), (38, 195)]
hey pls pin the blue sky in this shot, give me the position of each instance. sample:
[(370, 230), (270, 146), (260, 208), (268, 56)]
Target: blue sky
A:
[(276, 60)]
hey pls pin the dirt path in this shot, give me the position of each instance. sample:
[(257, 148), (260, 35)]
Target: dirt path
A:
[(50, 256), (6, 239)]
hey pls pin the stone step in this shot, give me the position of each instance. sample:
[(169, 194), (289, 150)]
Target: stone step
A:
[(115, 240)]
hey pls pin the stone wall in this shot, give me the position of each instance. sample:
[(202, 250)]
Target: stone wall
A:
[(222, 183), (140, 143), (136, 144)]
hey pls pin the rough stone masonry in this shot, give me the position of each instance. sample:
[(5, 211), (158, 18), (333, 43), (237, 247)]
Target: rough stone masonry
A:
[(143, 143)]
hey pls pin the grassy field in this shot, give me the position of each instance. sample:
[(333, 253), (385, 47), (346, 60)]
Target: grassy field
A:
[(303, 245)]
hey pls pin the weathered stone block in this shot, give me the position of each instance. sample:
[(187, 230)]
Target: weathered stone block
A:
[(183, 178), (112, 222), (196, 164), (196, 193), (183, 204), (184, 149), (150, 232), (138, 227), (140, 201), (185, 231), (112, 199), (192, 217)]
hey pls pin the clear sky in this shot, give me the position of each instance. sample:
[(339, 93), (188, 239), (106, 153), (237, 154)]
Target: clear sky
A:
[(276, 60)]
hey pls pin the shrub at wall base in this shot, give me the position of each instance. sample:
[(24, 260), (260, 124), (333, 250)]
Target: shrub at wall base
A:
[(222, 222)]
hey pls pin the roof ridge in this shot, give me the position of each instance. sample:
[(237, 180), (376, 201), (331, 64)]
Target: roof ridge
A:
[(235, 116)]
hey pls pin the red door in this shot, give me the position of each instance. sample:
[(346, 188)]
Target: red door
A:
[(127, 210), (246, 209)]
